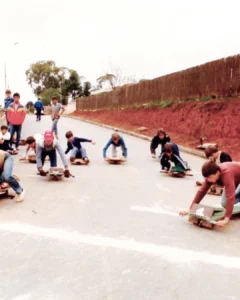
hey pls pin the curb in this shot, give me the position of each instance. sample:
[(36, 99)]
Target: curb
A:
[(137, 135)]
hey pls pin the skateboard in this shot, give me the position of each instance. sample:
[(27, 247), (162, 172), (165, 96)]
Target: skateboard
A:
[(55, 174), (21, 143), (4, 192), (207, 216), (32, 158), (178, 172), (115, 161), (79, 161)]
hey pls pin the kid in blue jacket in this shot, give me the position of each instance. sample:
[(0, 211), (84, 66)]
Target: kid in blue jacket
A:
[(74, 144), (116, 141), (39, 108)]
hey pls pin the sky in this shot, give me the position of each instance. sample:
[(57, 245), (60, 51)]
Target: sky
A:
[(146, 39)]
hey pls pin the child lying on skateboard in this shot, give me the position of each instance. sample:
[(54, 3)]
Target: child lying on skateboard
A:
[(31, 141), (169, 154), (213, 153), (116, 141), (49, 146), (74, 144), (226, 174), (6, 177), (161, 138)]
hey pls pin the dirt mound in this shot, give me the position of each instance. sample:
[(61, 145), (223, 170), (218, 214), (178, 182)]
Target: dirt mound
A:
[(216, 120)]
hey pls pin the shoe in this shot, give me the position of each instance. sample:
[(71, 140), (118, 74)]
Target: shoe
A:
[(20, 197)]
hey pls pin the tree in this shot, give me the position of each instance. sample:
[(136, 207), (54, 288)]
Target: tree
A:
[(86, 89), (47, 95), (72, 86), (107, 77), (44, 75)]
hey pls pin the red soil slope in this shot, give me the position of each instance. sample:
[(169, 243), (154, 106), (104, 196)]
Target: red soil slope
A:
[(216, 120)]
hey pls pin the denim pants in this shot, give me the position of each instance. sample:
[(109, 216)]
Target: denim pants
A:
[(39, 114), (54, 126), (82, 153), (224, 198), (6, 174), (17, 129), (52, 156)]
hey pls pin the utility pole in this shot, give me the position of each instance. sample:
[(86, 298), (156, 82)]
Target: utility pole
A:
[(5, 75)]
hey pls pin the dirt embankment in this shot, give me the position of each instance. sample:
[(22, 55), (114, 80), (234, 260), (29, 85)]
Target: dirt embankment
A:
[(216, 120)]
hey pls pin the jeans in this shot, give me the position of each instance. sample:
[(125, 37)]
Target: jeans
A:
[(6, 174), (224, 198), (52, 156), (17, 129), (54, 126), (39, 114), (6, 118), (76, 153)]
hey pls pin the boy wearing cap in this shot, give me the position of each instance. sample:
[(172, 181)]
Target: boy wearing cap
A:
[(116, 141), (161, 138), (7, 101), (74, 144), (48, 146), (57, 110)]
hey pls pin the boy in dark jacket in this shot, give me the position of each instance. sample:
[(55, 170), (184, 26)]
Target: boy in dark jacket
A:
[(74, 144), (7, 101), (116, 141), (218, 156), (161, 138), (39, 108), (171, 153)]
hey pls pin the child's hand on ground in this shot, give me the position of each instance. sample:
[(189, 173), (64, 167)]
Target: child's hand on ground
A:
[(93, 143), (106, 159), (153, 155), (23, 158), (222, 222), (183, 213)]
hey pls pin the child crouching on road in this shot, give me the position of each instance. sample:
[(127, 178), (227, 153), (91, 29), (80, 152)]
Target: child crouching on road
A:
[(6, 167), (31, 141), (216, 155), (169, 154), (74, 144), (5, 140), (116, 141), (49, 146), (161, 138)]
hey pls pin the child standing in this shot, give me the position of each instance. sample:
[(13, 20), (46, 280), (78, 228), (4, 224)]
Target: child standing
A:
[(161, 138), (171, 153), (57, 110), (116, 141), (39, 108), (16, 115), (7, 101), (74, 144)]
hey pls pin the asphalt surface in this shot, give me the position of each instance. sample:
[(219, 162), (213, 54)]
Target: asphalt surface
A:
[(112, 232)]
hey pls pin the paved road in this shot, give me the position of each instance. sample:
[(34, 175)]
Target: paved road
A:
[(112, 232)]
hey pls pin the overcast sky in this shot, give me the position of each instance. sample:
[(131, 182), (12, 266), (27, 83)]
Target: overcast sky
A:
[(143, 38)]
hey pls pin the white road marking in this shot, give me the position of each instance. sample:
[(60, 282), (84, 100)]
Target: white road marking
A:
[(172, 254), (154, 209), (162, 188)]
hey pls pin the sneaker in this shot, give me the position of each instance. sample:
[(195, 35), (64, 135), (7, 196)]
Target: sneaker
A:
[(20, 197)]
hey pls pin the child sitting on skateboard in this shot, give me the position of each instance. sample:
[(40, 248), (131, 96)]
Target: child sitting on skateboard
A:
[(218, 156), (169, 154), (161, 138), (6, 177), (31, 141), (226, 174), (49, 146), (5, 140), (74, 144), (116, 141)]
